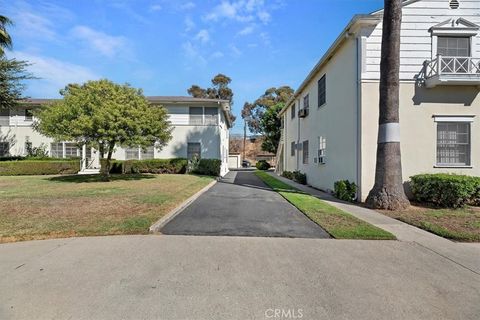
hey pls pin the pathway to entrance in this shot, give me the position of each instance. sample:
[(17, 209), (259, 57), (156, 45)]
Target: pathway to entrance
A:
[(242, 205)]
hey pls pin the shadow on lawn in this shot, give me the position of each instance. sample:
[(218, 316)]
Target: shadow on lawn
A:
[(98, 178)]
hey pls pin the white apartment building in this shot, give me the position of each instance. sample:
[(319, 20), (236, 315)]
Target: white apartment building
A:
[(200, 126), (331, 125)]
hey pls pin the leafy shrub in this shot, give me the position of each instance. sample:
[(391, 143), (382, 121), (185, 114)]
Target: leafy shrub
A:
[(446, 190), (299, 177), (263, 165), (37, 152), (38, 167), (345, 190), (209, 167), (287, 174), (193, 164), (158, 166)]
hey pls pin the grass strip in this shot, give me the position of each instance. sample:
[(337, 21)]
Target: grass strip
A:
[(338, 223)]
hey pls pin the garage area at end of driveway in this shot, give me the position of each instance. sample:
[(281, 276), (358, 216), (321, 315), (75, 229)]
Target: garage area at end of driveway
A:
[(242, 205)]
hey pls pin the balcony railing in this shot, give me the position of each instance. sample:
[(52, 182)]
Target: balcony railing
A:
[(452, 70)]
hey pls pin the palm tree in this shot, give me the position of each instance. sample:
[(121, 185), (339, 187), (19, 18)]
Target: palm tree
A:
[(388, 192), (5, 39)]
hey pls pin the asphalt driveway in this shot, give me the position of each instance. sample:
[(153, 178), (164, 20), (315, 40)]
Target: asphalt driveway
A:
[(242, 205)]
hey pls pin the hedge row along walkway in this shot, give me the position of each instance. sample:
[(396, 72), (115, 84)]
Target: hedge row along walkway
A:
[(466, 255)]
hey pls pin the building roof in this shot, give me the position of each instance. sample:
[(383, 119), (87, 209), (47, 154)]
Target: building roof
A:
[(224, 104), (362, 19)]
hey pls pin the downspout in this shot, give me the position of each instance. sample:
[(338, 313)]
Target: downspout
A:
[(359, 117)]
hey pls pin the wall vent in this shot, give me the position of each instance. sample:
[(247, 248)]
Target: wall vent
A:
[(454, 4)]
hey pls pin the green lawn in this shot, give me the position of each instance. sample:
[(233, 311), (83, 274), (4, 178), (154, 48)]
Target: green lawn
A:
[(41, 207), (337, 223), (461, 224)]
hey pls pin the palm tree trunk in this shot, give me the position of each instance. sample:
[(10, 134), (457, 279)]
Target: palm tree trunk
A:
[(388, 192)]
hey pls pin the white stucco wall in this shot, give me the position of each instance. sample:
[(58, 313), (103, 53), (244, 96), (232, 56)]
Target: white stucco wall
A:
[(335, 121), (418, 128)]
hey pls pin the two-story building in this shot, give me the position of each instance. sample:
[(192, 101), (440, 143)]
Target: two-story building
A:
[(331, 125), (200, 127)]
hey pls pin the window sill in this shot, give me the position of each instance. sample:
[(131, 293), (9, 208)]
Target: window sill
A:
[(321, 106), (452, 167)]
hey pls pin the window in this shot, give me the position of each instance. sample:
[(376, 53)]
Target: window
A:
[(4, 117), (71, 150), (293, 111), (211, 115), (28, 147), (292, 148), (196, 115), (132, 153), (194, 149), (56, 150), (453, 143), (322, 146), (28, 115), (322, 91), (149, 153), (453, 46), (305, 152), (306, 101), (4, 149)]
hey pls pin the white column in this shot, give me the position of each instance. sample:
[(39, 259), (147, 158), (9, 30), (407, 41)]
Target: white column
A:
[(84, 157)]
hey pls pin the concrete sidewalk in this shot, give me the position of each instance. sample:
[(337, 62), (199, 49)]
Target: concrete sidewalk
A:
[(465, 254), (184, 277)]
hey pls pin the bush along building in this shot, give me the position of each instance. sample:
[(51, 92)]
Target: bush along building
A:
[(200, 131), (330, 127)]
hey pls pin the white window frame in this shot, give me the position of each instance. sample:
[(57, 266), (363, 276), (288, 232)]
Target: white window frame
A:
[(466, 119), (321, 152)]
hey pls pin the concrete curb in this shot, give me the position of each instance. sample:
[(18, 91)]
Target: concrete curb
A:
[(155, 228)]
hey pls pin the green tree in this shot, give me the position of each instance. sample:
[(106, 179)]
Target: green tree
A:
[(388, 192), (103, 115), (13, 74), (255, 111), (219, 90), (5, 39), (270, 125)]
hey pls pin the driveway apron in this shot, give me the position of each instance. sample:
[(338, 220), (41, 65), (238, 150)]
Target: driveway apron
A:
[(242, 205)]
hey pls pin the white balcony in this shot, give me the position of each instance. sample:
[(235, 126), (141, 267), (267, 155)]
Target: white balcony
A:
[(452, 71)]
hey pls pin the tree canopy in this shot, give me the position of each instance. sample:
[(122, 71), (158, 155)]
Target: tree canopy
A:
[(5, 39), (103, 114), (272, 97), (219, 90), (263, 118), (13, 73)]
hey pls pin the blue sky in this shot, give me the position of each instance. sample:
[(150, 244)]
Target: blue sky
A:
[(165, 46)]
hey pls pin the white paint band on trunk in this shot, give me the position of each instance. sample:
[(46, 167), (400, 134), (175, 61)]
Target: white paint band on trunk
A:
[(389, 132)]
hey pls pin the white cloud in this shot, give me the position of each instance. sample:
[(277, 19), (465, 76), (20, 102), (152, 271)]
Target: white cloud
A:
[(264, 16), (217, 55), (103, 43), (189, 24), (247, 30), (35, 26), (235, 51), (188, 6), (54, 74), (203, 36), (155, 7), (193, 55)]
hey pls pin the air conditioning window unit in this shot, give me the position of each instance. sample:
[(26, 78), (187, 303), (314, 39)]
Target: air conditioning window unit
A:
[(302, 113)]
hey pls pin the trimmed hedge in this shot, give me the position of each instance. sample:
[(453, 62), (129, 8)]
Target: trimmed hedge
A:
[(263, 165), (38, 167), (345, 190), (446, 190), (208, 167), (157, 166)]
